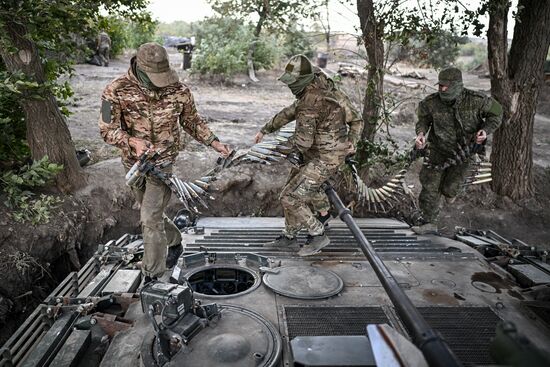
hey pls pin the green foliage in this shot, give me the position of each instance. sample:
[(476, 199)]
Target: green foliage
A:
[(222, 47), (128, 32), (26, 207), (13, 145), (178, 28), (386, 153), (297, 41), (473, 55), (438, 50)]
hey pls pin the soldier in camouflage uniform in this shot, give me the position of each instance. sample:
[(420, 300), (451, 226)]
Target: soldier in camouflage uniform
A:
[(103, 48), (319, 146), (452, 115), (145, 110)]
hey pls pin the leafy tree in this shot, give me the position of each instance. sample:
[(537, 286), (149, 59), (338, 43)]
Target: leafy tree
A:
[(178, 28), (272, 14), (31, 32), (297, 41), (222, 45)]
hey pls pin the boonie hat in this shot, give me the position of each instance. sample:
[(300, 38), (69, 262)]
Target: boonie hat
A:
[(152, 59)]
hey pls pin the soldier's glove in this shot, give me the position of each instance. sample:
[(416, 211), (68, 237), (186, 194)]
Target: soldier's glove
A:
[(296, 158), (350, 160)]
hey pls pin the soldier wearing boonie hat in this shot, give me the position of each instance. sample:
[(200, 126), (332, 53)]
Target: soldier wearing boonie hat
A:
[(446, 119), (146, 109)]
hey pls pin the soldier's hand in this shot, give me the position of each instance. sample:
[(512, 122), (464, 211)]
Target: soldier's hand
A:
[(351, 149), (481, 136), (221, 148), (420, 141), (140, 145), (259, 137)]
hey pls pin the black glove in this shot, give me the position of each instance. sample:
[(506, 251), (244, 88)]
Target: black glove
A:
[(296, 158)]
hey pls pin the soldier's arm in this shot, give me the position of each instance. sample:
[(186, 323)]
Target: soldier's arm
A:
[(491, 112), (424, 119), (111, 124), (354, 120), (306, 124), (282, 118), (192, 123)]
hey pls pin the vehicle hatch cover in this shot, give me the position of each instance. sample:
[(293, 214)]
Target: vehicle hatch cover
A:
[(303, 282)]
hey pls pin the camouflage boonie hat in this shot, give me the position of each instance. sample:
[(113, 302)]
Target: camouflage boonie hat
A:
[(449, 76), (152, 59), (297, 66)]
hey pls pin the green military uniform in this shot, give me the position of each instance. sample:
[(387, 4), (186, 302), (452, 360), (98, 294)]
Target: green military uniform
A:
[(150, 103), (449, 118), (321, 139)]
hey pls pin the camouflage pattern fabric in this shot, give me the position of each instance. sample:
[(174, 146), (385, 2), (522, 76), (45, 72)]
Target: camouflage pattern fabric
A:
[(159, 232), (447, 126), (439, 182), (131, 110), (303, 191), (322, 137)]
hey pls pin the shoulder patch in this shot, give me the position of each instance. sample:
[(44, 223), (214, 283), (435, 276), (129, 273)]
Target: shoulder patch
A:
[(106, 111)]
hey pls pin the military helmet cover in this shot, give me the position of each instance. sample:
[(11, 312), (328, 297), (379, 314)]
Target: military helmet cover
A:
[(297, 66), (152, 59)]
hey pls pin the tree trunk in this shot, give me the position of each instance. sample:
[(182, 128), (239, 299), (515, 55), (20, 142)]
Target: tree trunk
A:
[(372, 33), (252, 48), (515, 83), (47, 131)]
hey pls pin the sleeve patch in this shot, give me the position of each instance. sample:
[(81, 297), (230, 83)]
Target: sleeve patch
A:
[(106, 111)]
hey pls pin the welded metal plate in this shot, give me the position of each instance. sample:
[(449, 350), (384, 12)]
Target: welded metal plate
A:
[(332, 351), (303, 282), (467, 330), (331, 320), (240, 338)]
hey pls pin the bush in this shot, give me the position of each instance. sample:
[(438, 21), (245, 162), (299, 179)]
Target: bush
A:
[(127, 33), (222, 47), (25, 208), (13, 145), (295, 42)]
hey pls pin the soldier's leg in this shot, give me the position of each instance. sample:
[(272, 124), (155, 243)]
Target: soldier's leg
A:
[(321, 206), (453, 179), (154, 201), (430, 195), (292, 207)]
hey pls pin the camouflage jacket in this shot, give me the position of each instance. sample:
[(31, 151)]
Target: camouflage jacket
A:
[(103, 40), (317, 113), (449, 125), (130, 110)]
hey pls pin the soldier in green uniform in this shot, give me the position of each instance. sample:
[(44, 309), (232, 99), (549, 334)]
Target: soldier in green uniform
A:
[(447, 118), (321, 142), (142, 110)]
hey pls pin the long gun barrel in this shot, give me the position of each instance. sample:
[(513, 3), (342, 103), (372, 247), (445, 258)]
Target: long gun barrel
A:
[(433, 347)]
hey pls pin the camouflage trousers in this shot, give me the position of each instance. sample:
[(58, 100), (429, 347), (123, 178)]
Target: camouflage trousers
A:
[(302, 197), (439, 182), (103, 53), (159, 232)]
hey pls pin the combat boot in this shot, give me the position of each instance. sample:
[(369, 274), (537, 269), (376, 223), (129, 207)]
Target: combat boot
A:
[(427, 228), (314, 244), (281, 241), (174, 253), (323, 219)]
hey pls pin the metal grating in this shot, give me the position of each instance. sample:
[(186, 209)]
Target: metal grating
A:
[(389, 243), (467, 330), (541, 310), (334, 320)]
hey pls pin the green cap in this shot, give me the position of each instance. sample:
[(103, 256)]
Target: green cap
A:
[(297, 66), (449, 75), (152, 59)]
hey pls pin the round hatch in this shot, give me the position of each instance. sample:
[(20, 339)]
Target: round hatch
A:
[(303, 282), (241, 337), (222, 281)]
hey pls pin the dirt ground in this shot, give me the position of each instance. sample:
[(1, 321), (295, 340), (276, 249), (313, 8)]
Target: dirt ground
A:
[(38, 258)]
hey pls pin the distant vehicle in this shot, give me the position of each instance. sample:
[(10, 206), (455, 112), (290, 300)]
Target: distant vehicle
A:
[(177, 42)]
